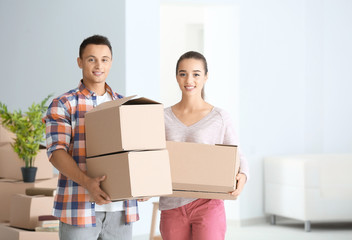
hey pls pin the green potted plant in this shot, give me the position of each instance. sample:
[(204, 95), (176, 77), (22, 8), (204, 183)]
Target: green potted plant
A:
[(30, 132)]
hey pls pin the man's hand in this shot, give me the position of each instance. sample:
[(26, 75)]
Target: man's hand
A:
[(95, 192), (241, 180), (64, 162)]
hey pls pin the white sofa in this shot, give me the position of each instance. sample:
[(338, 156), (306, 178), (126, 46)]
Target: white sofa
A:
[(309, 187)]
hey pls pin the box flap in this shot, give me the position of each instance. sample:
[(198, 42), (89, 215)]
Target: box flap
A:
[(115, 103)]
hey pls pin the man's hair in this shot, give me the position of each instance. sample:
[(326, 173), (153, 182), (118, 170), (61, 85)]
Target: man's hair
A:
[(95, 39)]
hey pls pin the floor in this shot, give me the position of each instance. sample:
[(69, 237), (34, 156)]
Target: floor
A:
[(292, 231), (287, 230)]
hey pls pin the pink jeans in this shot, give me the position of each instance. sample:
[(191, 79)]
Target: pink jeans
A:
[(201, 219)]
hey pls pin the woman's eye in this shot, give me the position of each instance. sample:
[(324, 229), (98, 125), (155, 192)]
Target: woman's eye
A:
[(196, 75), (182, 74)]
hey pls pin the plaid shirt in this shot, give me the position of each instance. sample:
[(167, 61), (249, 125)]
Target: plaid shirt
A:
[(65, 130)]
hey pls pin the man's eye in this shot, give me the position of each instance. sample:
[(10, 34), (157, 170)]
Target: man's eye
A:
[(90, 60), (182, 74), (196, 75)]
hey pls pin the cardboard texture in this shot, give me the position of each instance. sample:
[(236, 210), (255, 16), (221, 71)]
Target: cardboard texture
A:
[(9, 187), (11, 233), (10, 164), (132, 175), (202, 170), (49, 192), (5, 135), (25, 210), (123, 125)]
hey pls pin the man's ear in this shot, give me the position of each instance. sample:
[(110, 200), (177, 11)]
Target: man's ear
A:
[(79, 62)]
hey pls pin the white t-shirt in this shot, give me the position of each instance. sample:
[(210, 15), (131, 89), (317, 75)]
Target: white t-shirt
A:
[(113, 206)]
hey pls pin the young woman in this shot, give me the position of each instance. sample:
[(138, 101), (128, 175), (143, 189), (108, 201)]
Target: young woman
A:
[(194, 120)]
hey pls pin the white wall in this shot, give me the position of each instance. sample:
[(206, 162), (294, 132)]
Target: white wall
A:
[(272, 93), (179, 33), (142, 48), (337, 70), (40, 41)]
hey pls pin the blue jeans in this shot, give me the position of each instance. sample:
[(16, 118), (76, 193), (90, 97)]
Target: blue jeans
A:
[(110, 225)]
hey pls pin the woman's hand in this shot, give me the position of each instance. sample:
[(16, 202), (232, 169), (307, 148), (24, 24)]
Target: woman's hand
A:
[(143, 199), (241, 180)]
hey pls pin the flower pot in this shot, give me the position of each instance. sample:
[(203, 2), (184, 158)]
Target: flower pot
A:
[(28, 174)]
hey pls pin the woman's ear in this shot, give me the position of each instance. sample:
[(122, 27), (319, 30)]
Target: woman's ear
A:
[(206, 77)]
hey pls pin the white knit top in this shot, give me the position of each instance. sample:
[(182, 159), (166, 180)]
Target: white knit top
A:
[(215, 128)]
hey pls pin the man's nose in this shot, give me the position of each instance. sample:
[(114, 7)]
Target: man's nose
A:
[(98, 64)]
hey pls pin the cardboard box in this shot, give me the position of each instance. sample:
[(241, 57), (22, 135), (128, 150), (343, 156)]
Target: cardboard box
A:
[(123, 125), (25, 210), (9, 187), (202, 170), (132, 175), (11, 233), (10, 164), (5, 135)]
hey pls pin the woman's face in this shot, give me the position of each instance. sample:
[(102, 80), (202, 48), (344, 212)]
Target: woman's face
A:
[(191, 76)]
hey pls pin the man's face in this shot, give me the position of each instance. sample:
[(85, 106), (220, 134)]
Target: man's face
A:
[(95, 63)]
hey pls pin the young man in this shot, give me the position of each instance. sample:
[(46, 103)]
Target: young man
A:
[(65, 137)]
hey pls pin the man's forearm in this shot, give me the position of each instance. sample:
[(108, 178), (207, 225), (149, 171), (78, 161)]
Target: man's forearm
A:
[(63, 162)]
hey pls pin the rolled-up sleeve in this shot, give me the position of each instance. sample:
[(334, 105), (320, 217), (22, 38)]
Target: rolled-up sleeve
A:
[(58, 126)]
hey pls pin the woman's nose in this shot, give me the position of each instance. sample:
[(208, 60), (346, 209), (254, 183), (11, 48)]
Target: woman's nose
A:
[(189, 79)]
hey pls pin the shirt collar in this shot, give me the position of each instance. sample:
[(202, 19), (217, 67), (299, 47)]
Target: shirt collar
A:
[(88, 93)]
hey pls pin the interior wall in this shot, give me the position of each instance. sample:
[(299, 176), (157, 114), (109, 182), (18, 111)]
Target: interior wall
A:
[(337, 71), (179, 33), (142, 62), (40, 42), (272, 89)]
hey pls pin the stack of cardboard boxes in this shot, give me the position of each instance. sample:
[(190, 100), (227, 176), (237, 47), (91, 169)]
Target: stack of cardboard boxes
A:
[(16, 209), (125, 141)]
